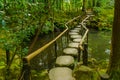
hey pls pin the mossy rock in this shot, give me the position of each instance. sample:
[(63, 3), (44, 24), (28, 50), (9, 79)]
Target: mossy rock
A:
[(42, 75), (85, 73)]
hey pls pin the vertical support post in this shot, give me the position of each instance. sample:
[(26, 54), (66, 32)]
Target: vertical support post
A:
[(55, 49), (79, 54), (62, 43), (85, 54), (67, 37), (87, 38), (81, 30), (26, 73)]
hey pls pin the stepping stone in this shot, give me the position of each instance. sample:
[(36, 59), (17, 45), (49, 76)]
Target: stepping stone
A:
[(76, 36), (64, 60), (71, 51), (61, 73), (73, 44), (73, 33), (77, 28), (74, 30), (80, 24), (76, 40), (86, 20)]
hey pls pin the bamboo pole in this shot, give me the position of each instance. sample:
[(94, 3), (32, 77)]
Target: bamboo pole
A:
[(35, 53)]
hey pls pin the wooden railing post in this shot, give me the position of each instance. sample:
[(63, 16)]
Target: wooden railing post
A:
[(67, 37), (26, 72), (55, 49), (79, 54), (85, 54)]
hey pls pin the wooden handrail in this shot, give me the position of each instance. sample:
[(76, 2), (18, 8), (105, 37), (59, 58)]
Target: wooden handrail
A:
[(85, 34), (32, 55), (26, 60), (35, 53)]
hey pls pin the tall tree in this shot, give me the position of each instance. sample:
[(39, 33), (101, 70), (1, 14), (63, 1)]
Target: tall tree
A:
[(114, 65), (84, 5)]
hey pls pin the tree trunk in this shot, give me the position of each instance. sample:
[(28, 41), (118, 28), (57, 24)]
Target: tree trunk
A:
[(47, 9), (7, 75), (114, 65), (84, 6), (36, 37), (93, 3)]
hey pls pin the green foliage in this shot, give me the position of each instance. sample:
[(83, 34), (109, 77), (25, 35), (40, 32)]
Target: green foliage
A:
[(104, 15), (85, 73), (47, 27), (19, 20), (43, 74), (2, 65), (115, 75)]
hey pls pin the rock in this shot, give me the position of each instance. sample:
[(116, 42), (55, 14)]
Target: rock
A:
[(61, 73), (76, 36), (73, 33), (76, 40), (71, 51), (77, 28), (64, 60), (73, 44), (85, 73), (74, 30)]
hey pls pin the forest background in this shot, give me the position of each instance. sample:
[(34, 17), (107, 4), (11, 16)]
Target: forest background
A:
[(24, 20)]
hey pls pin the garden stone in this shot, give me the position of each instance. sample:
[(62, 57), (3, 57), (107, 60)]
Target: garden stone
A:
[(71, 51), (64, 60), (73, 44), (61, 73)]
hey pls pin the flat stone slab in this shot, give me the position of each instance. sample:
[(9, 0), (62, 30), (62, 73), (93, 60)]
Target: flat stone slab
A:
[(76, 36), (71, 51), (61, 73), (73, 44), (86, 20), (64, 60), (77, 28), (74, 30), (76, 40), (73, 33)]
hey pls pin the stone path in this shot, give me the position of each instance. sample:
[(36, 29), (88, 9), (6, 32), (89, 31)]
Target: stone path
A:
[(65, 63)]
